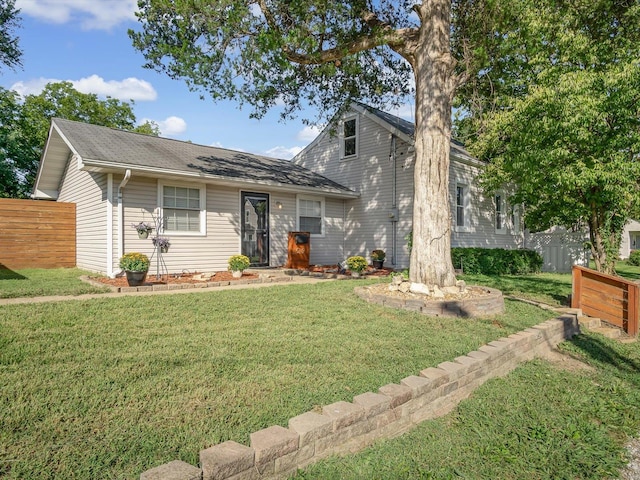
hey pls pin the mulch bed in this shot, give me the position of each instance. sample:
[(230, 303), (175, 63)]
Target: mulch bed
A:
[(224, 276)]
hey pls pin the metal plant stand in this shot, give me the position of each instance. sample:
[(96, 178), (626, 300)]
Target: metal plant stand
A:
[(162, 273)]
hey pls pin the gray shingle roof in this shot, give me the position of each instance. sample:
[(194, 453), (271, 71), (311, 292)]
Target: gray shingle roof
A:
[(408, 128), (132, 150)]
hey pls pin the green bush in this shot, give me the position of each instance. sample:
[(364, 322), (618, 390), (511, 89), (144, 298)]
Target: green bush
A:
[(634, 258), (496, 261)]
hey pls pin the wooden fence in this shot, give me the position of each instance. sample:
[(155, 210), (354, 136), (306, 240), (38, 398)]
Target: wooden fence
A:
[(37, 234), (607, 297)]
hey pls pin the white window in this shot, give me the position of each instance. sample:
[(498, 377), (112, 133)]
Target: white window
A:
[(183, 209), (349, 137), (311, 215), (461, 214), (500, 216)]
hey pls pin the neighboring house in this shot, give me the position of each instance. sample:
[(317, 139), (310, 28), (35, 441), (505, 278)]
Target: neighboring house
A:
[(371, 153), (215, 202), (630, 238)]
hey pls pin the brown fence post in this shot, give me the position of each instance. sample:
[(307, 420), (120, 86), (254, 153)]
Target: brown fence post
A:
[(576, 286), (632, 309)]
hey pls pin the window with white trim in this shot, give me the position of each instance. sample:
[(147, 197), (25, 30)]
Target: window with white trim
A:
[(311, 215), (515, 219), (461, 214), (500, 213), (349, 137), (183, 209)]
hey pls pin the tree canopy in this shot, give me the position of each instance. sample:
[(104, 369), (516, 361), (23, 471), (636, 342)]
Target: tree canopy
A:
[(555, 108), (10, 53), (24, 126)]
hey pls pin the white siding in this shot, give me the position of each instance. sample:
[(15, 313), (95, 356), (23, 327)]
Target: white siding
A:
[(367, 224), (88, 191)]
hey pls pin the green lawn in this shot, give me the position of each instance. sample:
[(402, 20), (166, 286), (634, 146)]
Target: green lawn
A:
[(38, 282), (108, 388)]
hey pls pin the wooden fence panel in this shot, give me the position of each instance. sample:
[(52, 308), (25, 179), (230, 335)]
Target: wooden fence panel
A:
[(610, 298), (37, 234)]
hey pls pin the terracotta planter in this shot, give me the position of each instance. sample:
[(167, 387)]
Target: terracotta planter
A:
[(135, 279), (142, 234), (236, 273)]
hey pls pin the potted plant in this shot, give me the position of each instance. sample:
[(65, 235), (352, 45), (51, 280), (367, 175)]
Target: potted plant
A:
[(357, 265), (162, 242), (143, 229), (377, 258), (237, 264), (136, 266)]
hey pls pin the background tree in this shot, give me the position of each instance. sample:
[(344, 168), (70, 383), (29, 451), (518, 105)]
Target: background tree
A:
[(555, 108), (24, 126), (10, 53), (325, 54)]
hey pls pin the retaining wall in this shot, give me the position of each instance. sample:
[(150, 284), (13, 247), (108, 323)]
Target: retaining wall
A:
[(347, 427)]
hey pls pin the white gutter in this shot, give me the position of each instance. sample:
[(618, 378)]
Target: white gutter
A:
[(110, 225), (123, 183)]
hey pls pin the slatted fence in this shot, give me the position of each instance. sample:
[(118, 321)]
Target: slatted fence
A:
[(608, 297), (37, 234)]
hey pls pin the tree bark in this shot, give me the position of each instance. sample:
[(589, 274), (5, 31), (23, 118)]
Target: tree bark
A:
[(433, 69)]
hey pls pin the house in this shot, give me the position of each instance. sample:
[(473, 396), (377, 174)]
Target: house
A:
[(371, 153), (215, 202), (630, 238), (353, 191)]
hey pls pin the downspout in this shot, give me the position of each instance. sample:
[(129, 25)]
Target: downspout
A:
[(394, 202), (123, 183)]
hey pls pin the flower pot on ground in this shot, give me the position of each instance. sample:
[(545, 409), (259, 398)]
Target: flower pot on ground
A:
[(136, 266), (377, 258), (357, 264), (238, 264)]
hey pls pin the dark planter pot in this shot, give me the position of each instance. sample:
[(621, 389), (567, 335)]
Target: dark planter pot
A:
[(135, 279), (143, 234), (377, 263), (164, 249)]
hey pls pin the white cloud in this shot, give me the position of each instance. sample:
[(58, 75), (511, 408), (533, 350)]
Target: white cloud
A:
[(309, 133), (126, 90), (91, 14), (171, 126), (283, 152)]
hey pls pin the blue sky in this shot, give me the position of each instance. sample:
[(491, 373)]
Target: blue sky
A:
[(86, 42)]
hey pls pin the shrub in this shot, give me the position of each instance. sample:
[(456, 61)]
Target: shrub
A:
[(378, 255), (134, 262), (634, 258), (496, 261), (238, 263), (357, 263)]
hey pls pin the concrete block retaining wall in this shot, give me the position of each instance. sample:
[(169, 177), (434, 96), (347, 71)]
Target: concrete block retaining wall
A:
[(347, 427)]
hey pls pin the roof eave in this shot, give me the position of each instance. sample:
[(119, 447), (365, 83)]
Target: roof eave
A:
[(111, 167)]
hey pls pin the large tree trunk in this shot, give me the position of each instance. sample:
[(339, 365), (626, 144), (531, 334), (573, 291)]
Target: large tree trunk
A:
[(433, 69)]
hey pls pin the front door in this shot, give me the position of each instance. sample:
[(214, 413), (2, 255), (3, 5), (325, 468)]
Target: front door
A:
[(255, 228)]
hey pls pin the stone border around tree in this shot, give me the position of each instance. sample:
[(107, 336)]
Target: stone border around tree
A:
[(344, 427), (482, 306)]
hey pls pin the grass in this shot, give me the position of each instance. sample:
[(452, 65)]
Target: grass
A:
[(549, 288), (108, 388), (540, 422), (39, 282)]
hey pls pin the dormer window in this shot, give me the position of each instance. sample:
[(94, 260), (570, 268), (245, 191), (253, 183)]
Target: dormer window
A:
[(349, 136)]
